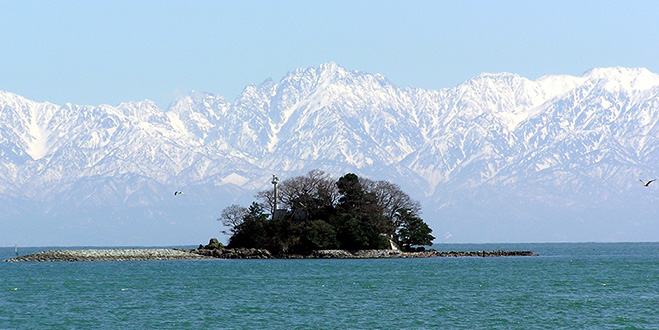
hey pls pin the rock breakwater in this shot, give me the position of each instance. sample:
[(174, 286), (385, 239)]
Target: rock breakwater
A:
[(367, 254), (241, 253), (109, 255)]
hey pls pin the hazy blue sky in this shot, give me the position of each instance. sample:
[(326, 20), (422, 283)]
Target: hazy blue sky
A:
[(107, 52)]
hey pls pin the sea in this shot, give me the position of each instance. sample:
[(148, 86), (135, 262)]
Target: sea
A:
[(567, 286)]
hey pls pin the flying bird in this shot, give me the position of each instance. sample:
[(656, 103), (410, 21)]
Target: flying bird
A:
[(646, 183), (178, 193)]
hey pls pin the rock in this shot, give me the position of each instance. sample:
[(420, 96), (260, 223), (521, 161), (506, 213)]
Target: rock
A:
[(214, 244), (334, 254), (238, 253)]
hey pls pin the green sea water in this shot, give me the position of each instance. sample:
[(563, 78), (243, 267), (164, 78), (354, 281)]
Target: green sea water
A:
[(569, 286)]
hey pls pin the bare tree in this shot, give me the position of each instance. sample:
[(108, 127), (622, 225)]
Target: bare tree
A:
[(231, 217), (267, 198), (298, 192), (391, 199)]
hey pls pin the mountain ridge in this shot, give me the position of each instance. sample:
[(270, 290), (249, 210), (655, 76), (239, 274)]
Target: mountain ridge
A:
[(558, 141)]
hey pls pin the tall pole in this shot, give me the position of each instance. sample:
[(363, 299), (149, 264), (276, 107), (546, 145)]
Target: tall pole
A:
[(274, 181)]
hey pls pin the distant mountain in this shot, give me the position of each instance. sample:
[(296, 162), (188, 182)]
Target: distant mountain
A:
[(499, 158)]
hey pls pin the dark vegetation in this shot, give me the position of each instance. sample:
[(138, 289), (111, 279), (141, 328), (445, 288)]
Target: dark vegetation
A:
[(316, 212)]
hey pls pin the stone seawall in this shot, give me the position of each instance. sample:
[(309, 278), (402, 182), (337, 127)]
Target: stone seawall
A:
[(366, 254), (224, 253), (109, 255)]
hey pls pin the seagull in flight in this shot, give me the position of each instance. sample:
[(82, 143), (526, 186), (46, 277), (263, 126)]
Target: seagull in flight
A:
[(646, 183), (178, 193)]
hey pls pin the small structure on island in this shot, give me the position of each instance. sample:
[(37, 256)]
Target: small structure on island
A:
[(276, 212), (275, 181)]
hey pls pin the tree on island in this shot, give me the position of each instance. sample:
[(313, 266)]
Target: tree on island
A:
[(231, 217), (413, 230), (320, 213)]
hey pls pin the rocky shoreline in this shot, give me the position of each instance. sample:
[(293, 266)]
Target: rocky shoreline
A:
[(369, 254), (221, 252), (109, 255)]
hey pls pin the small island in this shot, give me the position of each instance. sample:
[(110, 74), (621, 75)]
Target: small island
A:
[(311, 216), (316, 212)]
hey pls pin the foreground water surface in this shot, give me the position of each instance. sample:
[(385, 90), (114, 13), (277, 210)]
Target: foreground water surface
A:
[(570, 285)]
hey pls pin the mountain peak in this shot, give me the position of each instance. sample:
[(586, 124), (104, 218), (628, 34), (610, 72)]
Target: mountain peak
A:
[(494, 81), (609, 72), (330, 66), (330, 72), (496, 76), (627, 78)]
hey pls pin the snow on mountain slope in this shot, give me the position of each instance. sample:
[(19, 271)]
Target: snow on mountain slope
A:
[(482, 157)]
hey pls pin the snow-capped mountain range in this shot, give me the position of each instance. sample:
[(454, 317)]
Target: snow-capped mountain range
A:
[(499, 158)]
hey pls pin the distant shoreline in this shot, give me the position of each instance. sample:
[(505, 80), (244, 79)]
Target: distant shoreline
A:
[(226, 253)]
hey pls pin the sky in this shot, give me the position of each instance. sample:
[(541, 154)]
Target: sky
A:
[(107, 52)]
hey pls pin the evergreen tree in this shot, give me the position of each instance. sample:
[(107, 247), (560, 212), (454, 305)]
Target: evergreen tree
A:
[(251, 233), (413, 230), (359, 220)]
